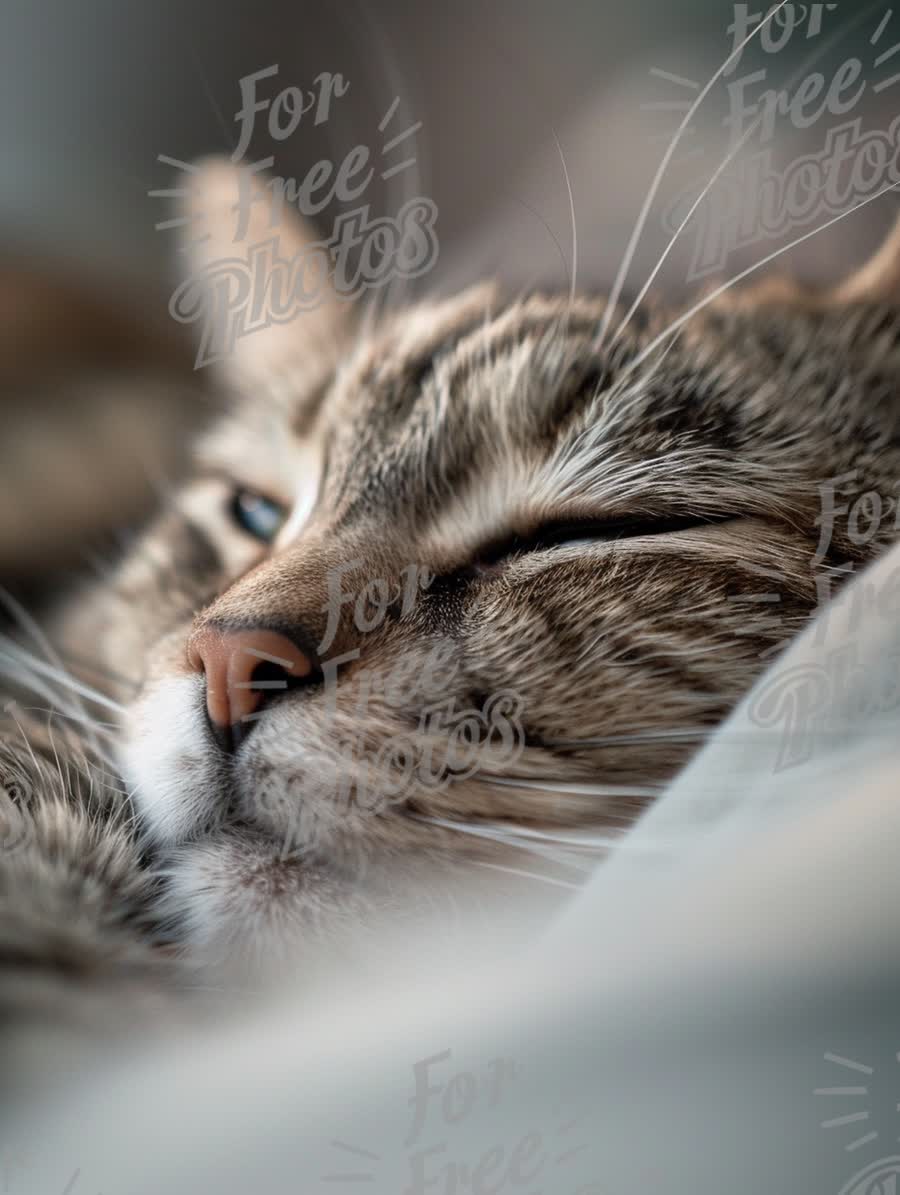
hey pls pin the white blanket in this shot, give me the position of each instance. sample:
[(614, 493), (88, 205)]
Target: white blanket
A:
[(714, 1013)]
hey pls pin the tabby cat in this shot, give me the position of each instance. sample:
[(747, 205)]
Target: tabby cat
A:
[(452, 591)]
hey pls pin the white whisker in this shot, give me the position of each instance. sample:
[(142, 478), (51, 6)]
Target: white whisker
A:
[(12, 654), (573, 280), (52, 657), (105, 728), (720, 290), (535, 843), (801, 71), (528, 837), (11, 712), (577, 788), (723, 165), (528, 875), (663, 166), (36, 686), (679, 79)]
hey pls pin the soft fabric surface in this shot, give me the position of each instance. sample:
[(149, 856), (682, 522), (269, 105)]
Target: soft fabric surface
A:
[(715, 996)]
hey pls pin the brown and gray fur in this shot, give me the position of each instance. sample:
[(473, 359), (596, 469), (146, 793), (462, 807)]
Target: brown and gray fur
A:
[(432, 438)]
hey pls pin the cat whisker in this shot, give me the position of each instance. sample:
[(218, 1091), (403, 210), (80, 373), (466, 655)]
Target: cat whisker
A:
[(663, 166), (12, 654), (37, 686), (63, 779), (688, 315), (31, 628), (112, 784), (577, 788), (108, 729), (653, 736), (11, 713), (623, 390), (104, 671), (100, 753), (723, 165), (528, 875), (624, 740), (553, 237), (60, 708), (565, 169), (528, 837), (801, 72), (12, 708), (544, 845)]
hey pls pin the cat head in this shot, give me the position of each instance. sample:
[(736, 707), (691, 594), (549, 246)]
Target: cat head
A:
[(452, 582)]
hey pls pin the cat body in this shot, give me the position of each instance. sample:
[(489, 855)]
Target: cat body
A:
[(446, 596)]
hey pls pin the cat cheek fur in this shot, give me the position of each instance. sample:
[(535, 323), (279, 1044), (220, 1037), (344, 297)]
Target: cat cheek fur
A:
[(169, 761)]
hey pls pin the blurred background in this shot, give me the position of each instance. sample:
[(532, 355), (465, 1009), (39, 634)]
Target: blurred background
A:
[(532, 121), (94, 90)]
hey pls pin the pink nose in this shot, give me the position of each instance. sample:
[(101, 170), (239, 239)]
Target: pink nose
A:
[(242, 668)]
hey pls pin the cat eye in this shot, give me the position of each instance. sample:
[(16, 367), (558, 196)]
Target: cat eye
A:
[(256, 514), (569, 531)]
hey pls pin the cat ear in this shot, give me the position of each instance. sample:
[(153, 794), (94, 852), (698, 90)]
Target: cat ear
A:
[(258, 286), (878, 281)]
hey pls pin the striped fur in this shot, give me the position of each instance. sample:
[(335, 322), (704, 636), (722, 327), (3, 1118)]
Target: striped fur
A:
[(429, 440)]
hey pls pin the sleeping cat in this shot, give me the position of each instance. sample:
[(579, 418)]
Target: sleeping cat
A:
[(457, 588)]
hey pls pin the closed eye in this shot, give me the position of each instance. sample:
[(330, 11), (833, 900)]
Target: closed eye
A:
[(567, 531)]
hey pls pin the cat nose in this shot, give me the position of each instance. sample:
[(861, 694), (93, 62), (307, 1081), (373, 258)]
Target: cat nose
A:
[(243, 668)]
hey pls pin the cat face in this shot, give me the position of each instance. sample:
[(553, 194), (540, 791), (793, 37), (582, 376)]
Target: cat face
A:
[(473, 574)]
